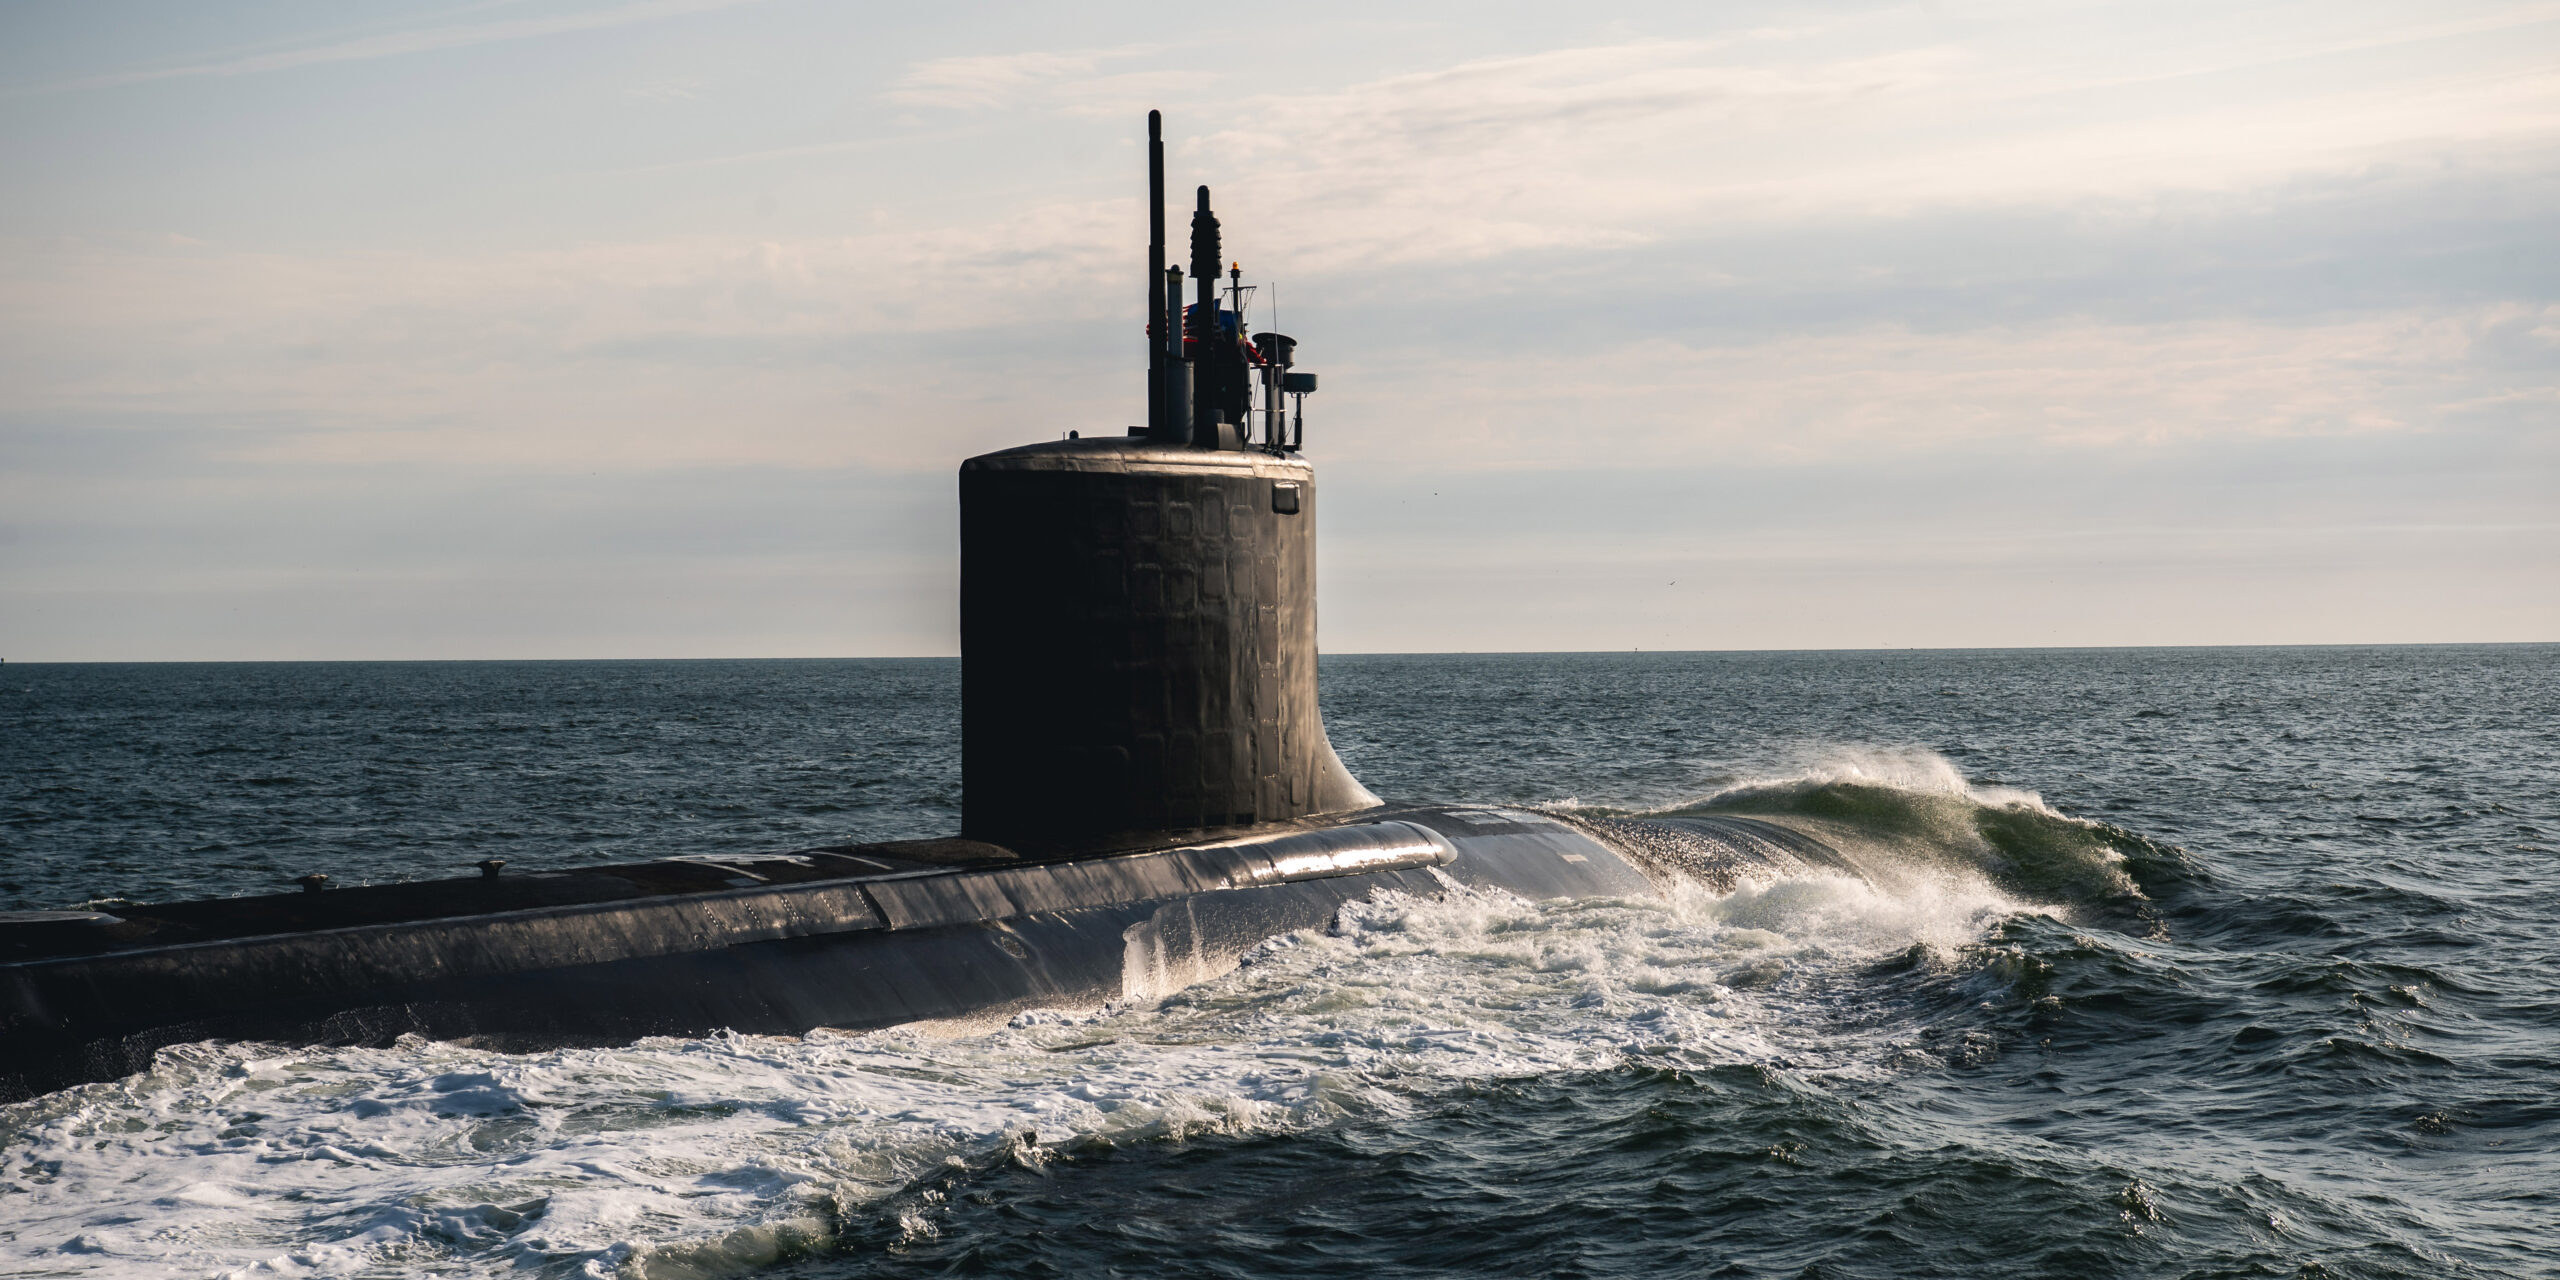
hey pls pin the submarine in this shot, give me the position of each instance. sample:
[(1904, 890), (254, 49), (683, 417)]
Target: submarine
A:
[(1147, 794)]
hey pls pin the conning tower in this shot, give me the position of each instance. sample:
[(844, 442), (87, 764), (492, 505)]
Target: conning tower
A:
[(1138, 613)]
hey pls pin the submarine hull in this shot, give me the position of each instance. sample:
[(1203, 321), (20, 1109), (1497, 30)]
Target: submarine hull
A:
[(1147, 793), (852, 938)]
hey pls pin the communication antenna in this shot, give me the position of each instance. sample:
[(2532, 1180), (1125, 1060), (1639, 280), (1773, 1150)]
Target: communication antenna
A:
[(1168, 375), (1155, 244), (1299, 385), (1200, 383)]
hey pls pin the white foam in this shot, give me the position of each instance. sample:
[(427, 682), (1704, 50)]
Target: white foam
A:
[(698, 1156), (1912, 769)]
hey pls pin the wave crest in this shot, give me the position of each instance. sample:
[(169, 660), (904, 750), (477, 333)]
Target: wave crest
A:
[(1898, 815)]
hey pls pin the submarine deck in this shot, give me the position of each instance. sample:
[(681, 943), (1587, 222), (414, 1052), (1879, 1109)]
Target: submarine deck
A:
[(850, 937), (43, 935), (33, 935)]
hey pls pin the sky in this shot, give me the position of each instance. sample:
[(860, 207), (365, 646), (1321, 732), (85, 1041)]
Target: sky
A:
[(608, 329)]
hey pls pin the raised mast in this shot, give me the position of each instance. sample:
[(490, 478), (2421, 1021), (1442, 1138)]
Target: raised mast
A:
[(1168, 376), (1155, 247), (1205, 329)]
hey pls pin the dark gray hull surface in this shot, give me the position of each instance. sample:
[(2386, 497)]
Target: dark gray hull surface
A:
[(857, 937)]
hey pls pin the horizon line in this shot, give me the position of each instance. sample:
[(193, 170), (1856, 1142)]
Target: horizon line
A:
[(1414, 653)]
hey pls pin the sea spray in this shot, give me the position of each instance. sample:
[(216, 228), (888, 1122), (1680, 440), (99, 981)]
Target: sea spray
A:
[(686, 1157), (1906, 815)]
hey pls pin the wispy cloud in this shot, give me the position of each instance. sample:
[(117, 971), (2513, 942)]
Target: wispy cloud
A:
[(1637, 142), (390, 44), (1074, 81), (1665, 217), (1888, 390), (988, 81), (2402, 37), (685, 89)]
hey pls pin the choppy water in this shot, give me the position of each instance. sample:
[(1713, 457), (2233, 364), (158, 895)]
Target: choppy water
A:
[(2174, 963)]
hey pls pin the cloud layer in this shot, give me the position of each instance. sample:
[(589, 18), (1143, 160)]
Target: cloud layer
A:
[(2002, 249)]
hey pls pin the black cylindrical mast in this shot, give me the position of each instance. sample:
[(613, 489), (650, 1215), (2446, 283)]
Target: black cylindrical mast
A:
[(1206, 349), (1168, 377), (1155, 246)]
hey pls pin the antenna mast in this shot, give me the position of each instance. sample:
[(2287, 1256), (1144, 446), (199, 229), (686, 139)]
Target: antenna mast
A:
[(1200, 382), (1168, 377), (1155, 242)]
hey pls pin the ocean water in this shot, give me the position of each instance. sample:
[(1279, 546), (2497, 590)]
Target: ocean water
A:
[(2191, 963)]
